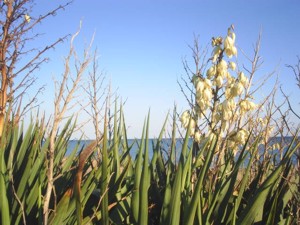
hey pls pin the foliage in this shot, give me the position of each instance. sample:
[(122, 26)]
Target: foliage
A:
[(143, 190)]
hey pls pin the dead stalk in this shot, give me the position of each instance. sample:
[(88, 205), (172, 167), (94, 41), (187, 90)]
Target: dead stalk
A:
[(63, 98), (96, 91)]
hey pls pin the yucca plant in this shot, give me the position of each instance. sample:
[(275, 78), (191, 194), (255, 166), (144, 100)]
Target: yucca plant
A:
[(23, 156), (143, 190)]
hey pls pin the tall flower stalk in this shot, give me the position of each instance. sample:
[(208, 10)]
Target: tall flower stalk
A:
[(221, 95)]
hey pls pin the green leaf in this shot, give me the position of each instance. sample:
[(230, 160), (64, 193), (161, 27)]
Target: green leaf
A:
[(173, 217), (137, 177), (145, 180), (116, 158), (191, 211), (62, 210), (4, 206), (273, 211), (254, 208), (104, 177), (168, 189)]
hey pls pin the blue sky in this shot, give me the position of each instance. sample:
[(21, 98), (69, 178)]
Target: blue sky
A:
[(142, 43)]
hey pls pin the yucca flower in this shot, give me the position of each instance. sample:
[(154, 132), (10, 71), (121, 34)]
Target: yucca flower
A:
[(246, 105), (216, 53), (27, 18), (229, 47), (238, 137), (241, 136), (237, 89), (202, 103), (232, 65), (216, 117), (207, 83), (243, 79), (203, 93), (230, 39), (228, 90), (207, 94), (224, 126), (192, 127), (184, 119), (216, 41), (222, 68), (230, 79), (261, 121), (211, 72), (228, 106), (219, 81), (200, 86), (232, 51), (233, 90), (276, 146), (197, 136)]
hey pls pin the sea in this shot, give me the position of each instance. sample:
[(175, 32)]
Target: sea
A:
[(166, 145)]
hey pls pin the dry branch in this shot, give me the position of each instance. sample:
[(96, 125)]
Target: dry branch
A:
[(63, 98), (16, 61)]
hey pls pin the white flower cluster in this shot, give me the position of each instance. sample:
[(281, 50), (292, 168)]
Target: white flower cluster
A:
[(229, 47), (237, 138), (203, 95), (228, 107), (185, 119), (221, 97), (246, 106)]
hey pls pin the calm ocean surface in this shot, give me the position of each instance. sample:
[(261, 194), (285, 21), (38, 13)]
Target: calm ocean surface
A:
[(166, 143)]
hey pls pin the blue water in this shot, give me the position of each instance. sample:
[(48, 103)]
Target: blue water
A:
[(134, 143), (166, 145)]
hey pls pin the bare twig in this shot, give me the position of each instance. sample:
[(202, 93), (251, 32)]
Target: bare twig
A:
[(296, 71), (19, 201), (289, 104), (16, 61), (63, 98)]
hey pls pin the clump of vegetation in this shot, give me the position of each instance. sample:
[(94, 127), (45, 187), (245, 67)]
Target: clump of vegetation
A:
[(227, 171), (119, 189)]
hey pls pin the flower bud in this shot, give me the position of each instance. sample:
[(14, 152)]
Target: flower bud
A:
[(241, 136), (237, 89), (184, 119), (207, 83), (211, 72), (216, 41), (243, 79), (219, 81), (197, 137), (234, 51), (228, 43), (232, 65), (207, 95), (217, 52), (222, 68), (27, 18), (200, 86)]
